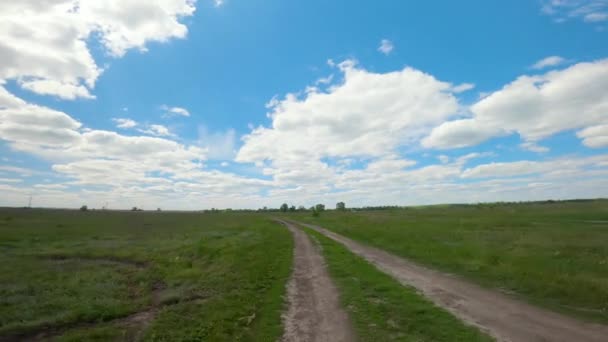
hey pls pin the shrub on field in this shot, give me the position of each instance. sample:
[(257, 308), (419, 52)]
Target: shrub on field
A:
[(84, 208)]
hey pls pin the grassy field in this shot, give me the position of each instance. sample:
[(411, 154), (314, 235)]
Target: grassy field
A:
[(384, 310), (154, 276), (551, 254)]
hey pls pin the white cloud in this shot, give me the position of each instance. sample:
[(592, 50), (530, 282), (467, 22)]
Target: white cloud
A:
[(534, 107), (550, 168), (131, 24), (172, 111), (62, 90), (390, 163), (43, 44), (587, 10), (218, 3), (594, 136), (549, 62), (156, 130), (149, 129), (368, 114), (459, 133), (11, 180), (35, 125), (386, 46), (56, 136), (124, 122), (463, 87)]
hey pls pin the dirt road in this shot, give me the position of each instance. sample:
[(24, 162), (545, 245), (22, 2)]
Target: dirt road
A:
[(501, 316), (314, 313)]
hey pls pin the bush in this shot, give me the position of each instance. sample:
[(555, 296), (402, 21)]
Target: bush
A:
[(84, 208)]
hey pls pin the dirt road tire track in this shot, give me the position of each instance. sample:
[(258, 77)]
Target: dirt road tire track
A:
[(501, 316), (314, 313)]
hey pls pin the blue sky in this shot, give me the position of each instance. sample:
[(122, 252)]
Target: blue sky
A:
[(189, 105)]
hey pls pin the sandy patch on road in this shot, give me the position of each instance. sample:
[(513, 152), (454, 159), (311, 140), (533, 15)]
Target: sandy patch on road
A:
[(314, 313), (501, 316)]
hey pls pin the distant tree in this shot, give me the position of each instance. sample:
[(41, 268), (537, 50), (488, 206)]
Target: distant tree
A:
[(292, 208), (320, 207), (84, 208), (284, 207), (315, 212), (340, 206), (134, 209), (301, 208), (158, 209)]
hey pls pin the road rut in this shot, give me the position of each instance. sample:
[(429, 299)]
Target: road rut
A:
[(314, 313), (501, 316)]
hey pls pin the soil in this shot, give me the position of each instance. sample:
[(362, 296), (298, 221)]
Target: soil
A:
[(314, 313), (498, 314)]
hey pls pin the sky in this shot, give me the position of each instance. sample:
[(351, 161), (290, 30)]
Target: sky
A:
[(183, 104)]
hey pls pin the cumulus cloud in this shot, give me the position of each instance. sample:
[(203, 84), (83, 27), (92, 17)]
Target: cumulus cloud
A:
[(386, 46), (549, 62), (43, 44), (368, 114), (56, 136), (35, 125), (534, 107)]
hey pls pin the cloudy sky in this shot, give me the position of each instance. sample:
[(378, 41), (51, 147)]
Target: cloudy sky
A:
[(248, 103)]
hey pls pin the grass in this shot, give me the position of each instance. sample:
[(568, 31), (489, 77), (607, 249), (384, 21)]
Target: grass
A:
[(384, 310), (551, 254), (206, 276)]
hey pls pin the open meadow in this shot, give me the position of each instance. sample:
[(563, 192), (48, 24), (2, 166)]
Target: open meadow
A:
[(110, 276), (69, 275)]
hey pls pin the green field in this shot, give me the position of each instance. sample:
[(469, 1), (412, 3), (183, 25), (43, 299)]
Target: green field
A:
[(551, 254), (165, 276), (143, 275)]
